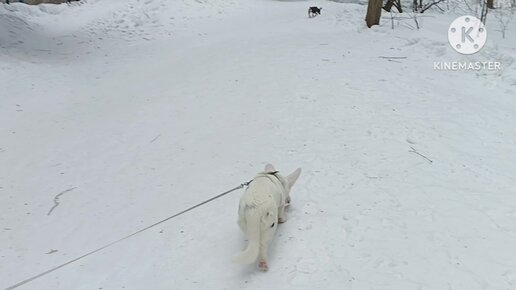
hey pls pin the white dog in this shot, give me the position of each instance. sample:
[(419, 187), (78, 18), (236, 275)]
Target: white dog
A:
[(261, 208)]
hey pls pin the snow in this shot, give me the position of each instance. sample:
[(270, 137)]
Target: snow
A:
[(141, 109)]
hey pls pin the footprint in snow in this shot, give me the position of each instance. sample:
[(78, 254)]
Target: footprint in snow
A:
[(307, 267), (310, 208)]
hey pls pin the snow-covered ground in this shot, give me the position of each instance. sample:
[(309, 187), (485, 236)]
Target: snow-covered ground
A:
[(124, 112)]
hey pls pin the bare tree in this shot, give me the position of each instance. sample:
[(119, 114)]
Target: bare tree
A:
[(374, 12), (483, 11), (428, 5), (419, 6), (504, 15)]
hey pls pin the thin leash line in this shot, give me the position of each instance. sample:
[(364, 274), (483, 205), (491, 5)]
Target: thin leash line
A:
[(124, 238)]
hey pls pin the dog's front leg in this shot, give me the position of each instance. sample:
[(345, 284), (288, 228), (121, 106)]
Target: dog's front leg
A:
[(281, 215)]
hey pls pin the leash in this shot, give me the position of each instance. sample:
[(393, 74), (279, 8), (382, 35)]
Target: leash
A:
[(124, 238)]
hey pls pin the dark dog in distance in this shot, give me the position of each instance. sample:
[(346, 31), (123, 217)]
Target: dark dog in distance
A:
[(314, 11)]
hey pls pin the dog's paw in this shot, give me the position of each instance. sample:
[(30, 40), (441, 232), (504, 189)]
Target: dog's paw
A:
[(281, 220), (263, 265)]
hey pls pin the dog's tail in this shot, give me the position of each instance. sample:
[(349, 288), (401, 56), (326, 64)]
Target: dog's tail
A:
[(250, 254)]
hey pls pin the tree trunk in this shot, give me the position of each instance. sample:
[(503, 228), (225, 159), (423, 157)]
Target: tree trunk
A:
[(374, 12), (490, 4)]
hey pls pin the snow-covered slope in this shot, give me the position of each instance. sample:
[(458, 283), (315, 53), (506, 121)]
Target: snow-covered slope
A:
[(125, 112)]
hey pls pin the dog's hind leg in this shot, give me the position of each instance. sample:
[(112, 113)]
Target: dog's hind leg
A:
[(268, 227), (265, 240)]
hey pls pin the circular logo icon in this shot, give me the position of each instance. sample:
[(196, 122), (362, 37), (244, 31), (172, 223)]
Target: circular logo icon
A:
[(467, 34)]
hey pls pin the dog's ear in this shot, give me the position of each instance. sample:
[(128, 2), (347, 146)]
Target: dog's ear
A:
[(292, 177), (269, 168)]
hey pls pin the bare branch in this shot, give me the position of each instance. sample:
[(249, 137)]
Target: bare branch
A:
[(56, 199), (415, 151), (428, 5), (155, 138)]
